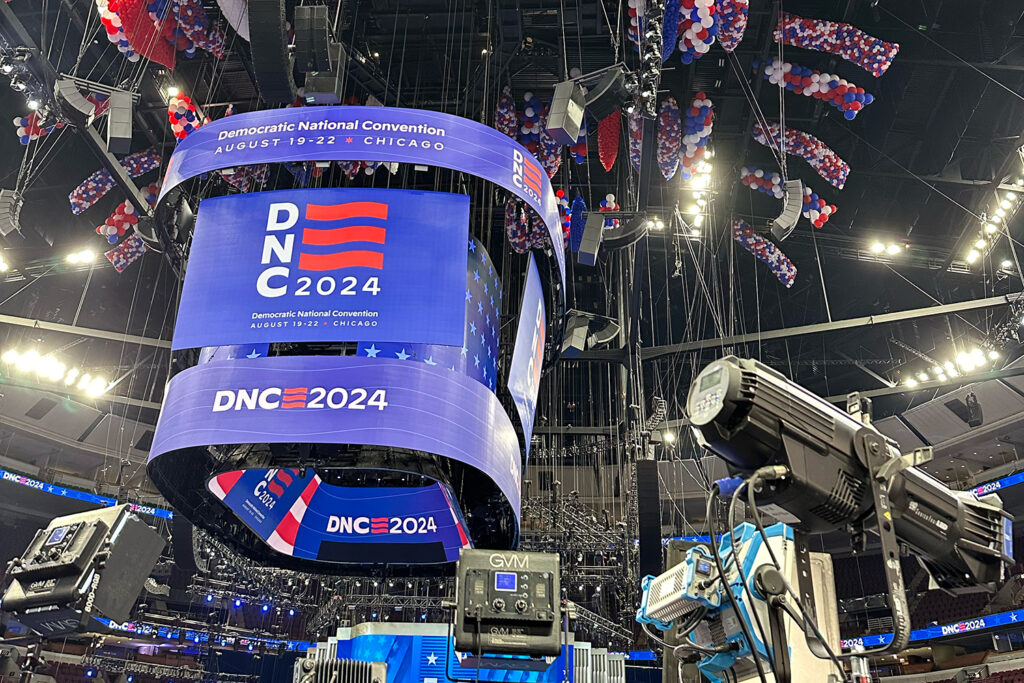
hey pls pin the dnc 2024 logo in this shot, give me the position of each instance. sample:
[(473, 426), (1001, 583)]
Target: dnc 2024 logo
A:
[(332, 238)]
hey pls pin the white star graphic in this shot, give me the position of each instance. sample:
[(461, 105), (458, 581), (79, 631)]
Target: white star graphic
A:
[(472, 327), (402, 355), (465, 350), (432, 659), (372, 351), (1013, 617), (430, 361), (476, 361), (253, 354)]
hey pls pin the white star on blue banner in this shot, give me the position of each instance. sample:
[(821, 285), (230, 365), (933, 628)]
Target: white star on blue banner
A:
[(481, 336)]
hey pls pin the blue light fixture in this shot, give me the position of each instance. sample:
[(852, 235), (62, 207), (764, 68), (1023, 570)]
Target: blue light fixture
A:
[(209, 598), (238, 603), (90, 673), (291, 613), (266, 608)]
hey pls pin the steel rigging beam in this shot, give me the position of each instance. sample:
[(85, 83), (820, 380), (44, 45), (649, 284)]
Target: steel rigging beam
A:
[(816, 328)]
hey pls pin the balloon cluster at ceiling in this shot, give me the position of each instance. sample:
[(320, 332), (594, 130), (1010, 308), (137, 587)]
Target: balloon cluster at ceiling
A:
[(813, 207), (697, 29), (732, 22), (816, 153), (183, 116), (697, 128), (802, 80), (843, 40), (670, 127), (765, 252), (125, 216)]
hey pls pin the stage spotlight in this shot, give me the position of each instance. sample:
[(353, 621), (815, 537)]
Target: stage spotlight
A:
[(82, 256)]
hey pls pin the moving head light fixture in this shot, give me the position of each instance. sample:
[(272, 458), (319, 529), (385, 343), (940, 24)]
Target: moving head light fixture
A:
[(841, 473)]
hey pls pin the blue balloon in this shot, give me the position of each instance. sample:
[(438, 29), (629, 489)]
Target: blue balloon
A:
[(868, 98), (849, 114), (687, 58), (713, 30), (112, 239)]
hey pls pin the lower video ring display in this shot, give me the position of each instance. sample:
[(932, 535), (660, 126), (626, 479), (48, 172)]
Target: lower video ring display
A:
[(342, 459)]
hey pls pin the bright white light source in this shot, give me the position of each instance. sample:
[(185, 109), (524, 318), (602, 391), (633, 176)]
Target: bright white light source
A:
[(893, 249), (1006, 263), (1001, 212), (72, 375), (694, 232), (33, 104), (972, 255), (669, 437), (980, 244), (993, 355), (698, 220), (911, 382), (96, 386), (990, 229), (877, 247), (923, 376), (83, 381), (172, 91), (83, 256), (693, 210), (1006, 204), (659, 224), (28, 361)]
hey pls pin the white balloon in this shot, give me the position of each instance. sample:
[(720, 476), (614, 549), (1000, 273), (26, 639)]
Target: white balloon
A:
[(787, 67), (759, 173)]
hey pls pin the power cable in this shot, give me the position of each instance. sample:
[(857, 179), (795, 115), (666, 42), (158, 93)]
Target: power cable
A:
[(721, 571)]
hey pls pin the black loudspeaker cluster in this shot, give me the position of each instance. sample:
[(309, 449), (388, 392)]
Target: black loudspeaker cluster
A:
[(312, 39), (610, 93), (10, 211), (648, 497), (119, 123), (270, 57), (74, 108)]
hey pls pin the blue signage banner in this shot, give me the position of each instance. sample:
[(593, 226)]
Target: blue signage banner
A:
[(388, 134), (343, 400), (477, 355), (528, 354), (999, 484), (298, 514), (326, 264), (84, 496), (1013, 618)]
